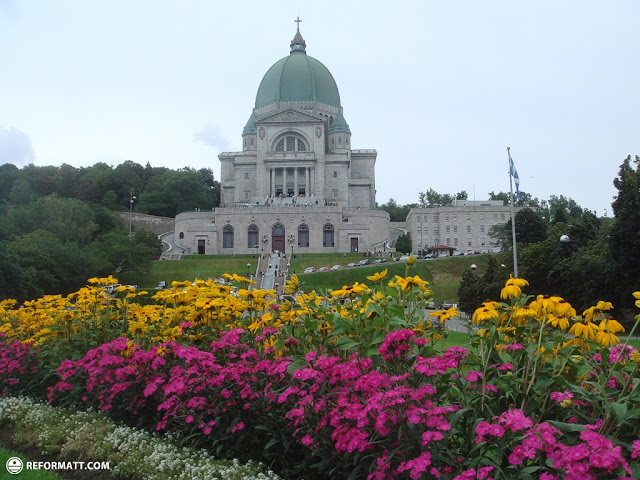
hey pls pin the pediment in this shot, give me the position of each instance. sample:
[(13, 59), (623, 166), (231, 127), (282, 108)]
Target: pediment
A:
[(289, 116)]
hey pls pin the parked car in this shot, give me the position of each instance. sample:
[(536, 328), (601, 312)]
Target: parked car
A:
[(431, 306), (429, 255), (446, 305), (310, 270), (457, 253), (352, 264), (380, 260), (403, 258), (161, 285), (366, 261), (323, 269), (497, 250), (470, 252), (336, 267)]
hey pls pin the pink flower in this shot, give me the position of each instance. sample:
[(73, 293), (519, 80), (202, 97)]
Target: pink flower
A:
[(635, 449), (515, 420), (560, 397), (473, 376), (239, 426)]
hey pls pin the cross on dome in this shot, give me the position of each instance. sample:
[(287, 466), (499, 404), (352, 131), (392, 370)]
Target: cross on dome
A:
[(298, 44)]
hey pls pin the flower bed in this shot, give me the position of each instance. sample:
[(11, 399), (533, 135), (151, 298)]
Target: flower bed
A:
[(353, 384)]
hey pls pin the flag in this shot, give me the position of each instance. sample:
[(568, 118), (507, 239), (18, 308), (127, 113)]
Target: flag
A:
[(514, 173)]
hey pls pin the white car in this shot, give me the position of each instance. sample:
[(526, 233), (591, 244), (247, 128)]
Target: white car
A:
[(336, 267), (310, 270)]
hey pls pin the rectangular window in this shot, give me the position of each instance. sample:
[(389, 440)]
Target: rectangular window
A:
[(446, 217), (448, 241), (419, 243), (468, 216), (246, 195), (335, 174), (335, 194), (468, 228), (468, 241), (455, 229), (357, 174), (447, 228), (425, 230), (482, 216), (495, 216), (455, 217), (246, 175), (455, 241), (482, 240), (436, 230), (291, 144), (435, 218), (502, 216), (481, 228)]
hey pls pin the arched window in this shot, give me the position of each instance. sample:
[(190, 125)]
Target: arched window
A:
[(181, 235), (227, 237), (327, 236), (303, 235), (291, 143), (252, 236)]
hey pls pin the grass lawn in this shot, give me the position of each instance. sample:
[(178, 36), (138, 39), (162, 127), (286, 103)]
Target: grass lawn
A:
[(25, 474), (442, 273)]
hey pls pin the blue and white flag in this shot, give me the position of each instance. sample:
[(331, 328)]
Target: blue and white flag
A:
[(514, 173)]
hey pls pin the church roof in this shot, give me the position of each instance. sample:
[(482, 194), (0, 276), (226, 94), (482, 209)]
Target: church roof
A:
[(339, 124), (250, 127), (298, 77)]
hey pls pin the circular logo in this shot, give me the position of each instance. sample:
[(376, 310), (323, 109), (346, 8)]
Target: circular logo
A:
[(14, 465)]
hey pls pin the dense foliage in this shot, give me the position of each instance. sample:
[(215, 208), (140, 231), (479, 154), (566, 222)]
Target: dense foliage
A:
[(159, 190), (355, 384), (50, 244)]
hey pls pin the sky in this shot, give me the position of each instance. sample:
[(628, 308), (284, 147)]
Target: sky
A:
[(439, 88)]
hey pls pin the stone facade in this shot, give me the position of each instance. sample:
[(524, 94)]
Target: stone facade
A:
[(320, 229), (464, 225), (297, 180)]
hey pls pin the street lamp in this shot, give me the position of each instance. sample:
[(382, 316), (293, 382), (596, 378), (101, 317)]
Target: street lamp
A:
[(131, 199), (248, 269)]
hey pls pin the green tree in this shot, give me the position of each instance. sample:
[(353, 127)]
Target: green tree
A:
[(403, 244), (21, 193), (469, 296), (625, 232), (397, 213)]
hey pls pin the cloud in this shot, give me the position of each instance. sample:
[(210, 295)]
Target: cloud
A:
[(210, 135), (15, 147)]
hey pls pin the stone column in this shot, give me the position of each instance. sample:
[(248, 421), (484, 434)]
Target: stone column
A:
[(295, 181), (271, 180)]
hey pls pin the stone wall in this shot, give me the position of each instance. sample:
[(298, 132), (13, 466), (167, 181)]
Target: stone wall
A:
[(139, 221)]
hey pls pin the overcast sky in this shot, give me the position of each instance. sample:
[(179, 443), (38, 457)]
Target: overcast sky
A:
[(438, 88)]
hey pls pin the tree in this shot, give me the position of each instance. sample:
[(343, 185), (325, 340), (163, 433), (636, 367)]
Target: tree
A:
[(469, 297), (397, 213), (403, 244), (624, 241), (529, 229), (433, 198)]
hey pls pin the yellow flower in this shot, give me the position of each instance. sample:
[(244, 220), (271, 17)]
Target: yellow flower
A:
[(610, 324), (484, 314), (521, 315), (378, 275), (518, 282), (412, 260), (291, 285), (510, 291), (558, 322), (586, 330), (635, 356), (637, 295), (350, 291), (407, 283), (605, 339)]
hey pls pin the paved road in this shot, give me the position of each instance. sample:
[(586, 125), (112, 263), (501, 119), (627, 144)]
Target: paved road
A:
[(269, 279)]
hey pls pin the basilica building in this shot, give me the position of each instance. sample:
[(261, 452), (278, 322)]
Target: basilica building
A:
[(297, 183)]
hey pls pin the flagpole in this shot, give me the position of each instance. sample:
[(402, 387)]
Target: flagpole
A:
[(513, 217)]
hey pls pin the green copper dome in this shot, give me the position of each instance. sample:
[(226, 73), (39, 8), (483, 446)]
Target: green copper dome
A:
[(298, 77)]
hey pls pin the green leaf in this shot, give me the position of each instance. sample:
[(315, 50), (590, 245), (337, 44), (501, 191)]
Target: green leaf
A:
[(566, 427)]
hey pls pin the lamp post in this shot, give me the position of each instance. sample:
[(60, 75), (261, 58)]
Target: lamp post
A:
[(248, 269), (131, 199)]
